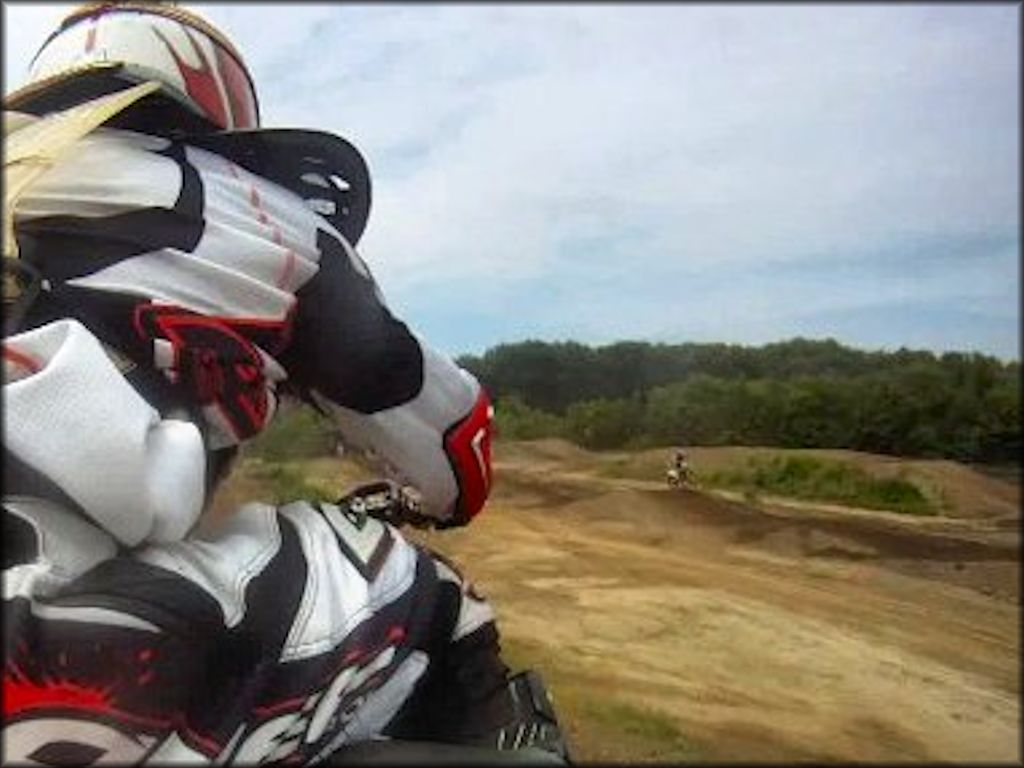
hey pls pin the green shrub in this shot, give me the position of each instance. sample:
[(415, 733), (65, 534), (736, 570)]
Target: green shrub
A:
[(604, 424), (514, 420), (297, 432), (286, 484), (804, 477)]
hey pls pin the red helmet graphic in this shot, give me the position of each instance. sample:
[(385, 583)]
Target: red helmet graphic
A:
[(198, 68)]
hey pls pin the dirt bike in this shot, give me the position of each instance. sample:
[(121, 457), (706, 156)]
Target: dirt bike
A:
[(533, 736), (679, 477)]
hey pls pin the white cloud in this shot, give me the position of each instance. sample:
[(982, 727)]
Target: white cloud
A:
[(674, 140)]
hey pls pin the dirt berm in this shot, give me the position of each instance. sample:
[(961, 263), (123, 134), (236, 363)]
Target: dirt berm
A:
[(772, 631)]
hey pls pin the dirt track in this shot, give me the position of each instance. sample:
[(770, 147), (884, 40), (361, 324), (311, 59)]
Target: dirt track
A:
[(773, 633)]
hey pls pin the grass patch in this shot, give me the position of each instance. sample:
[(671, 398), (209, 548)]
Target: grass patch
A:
[(297, 432), (599, 726), (284, 483), (660, 736), (803, 477)]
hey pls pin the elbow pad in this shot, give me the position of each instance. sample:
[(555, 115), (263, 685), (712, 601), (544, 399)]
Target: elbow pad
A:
[(467, 444)]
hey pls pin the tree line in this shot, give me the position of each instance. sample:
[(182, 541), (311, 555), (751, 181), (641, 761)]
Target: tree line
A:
[(798, 393)]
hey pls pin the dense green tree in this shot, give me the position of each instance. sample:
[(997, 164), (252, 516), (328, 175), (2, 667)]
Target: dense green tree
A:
[(515, 420), (602, 424), (798, 393)]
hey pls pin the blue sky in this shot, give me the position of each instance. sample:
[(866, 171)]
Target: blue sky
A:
[(673, 173)]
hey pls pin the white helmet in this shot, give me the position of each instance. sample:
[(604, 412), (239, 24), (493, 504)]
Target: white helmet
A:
[(102, 47)]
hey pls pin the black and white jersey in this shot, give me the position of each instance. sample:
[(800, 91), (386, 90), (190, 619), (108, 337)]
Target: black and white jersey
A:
[(281, 636), (218, 289), (131, 635), (183, 295)]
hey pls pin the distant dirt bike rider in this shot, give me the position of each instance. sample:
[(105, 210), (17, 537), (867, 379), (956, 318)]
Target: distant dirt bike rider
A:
[(679, 472), (167, 277)]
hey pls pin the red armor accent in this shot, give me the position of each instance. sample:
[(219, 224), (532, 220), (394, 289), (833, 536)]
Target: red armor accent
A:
[(468, 446)]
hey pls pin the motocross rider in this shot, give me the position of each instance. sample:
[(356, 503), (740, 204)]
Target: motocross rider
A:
[(680, 463), (169, 277)]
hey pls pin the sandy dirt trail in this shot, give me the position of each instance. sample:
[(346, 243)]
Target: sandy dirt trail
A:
[(764, 634)]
